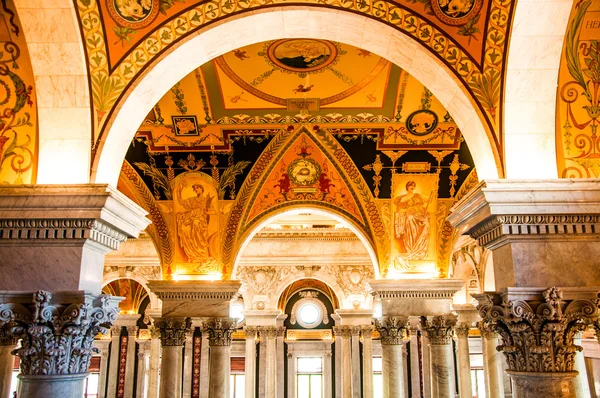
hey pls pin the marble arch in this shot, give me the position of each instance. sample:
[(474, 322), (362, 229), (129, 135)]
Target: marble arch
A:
[(295, 210), (274, 23)]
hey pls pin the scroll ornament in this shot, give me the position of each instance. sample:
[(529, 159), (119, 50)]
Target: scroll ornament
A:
[(57, 339), (537, 335)]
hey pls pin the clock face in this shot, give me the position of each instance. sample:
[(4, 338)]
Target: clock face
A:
[(304, 171)]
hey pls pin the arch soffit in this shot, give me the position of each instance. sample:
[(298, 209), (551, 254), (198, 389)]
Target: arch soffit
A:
[(113, 276), (58, 59), (242, 226), (174, 61)]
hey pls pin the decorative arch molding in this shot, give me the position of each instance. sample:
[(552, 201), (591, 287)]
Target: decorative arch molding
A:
[(361, 211), (155, 303), (435, 60), (158, 230)]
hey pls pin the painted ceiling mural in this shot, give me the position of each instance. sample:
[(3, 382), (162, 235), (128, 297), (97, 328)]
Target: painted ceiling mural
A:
[(321, 124), (123, 37), (18, 113), (578, 105)]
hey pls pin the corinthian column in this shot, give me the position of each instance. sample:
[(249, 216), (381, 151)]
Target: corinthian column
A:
[(172, 338), (269, 333), (345, 332), (537, 329), (57, 335), (367, 360), (415, 374), (251, 332), (464, 361), (392, 330), (439, 332), (7, 345), (492, 363), (219, 341)]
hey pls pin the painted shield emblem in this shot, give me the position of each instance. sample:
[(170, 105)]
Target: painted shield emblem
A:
[(134, 14), (421, 122), (455, 12)]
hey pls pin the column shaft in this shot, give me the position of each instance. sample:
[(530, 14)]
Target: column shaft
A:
[(356, 385), (130, 362), (153, 381), (271, 365), (439, 332), (250, 361), (113, 366), (426, 366), (392, 330), (103, 370), (346, 367), (219, 368), (415, 374), (492, 365), (464, 362), (281, 361), (172, 333), (582, 387), (188, 364), (367, 342)]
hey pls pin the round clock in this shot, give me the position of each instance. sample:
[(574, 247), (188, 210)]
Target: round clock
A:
[(304, 171)]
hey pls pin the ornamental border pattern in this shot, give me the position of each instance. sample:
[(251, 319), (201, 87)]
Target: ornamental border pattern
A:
[(485, 84)]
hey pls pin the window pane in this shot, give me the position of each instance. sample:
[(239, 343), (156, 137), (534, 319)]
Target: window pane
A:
[(303, 386), (240, 386), (231, 386), (377, 364), (476, 360), (480, 383), (310, 365), (92, 384), (315, 386), (378, 386)]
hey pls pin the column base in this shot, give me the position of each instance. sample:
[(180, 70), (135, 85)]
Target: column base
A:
[(537, 384), (63, 386)]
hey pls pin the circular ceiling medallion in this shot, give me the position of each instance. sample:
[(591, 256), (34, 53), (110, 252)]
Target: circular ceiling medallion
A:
[(302, 55), (134, 14), (455, 12), (421, 122)]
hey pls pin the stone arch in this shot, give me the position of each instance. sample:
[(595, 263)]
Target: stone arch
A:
[(274, 23), (155, 304), (265, 219), (531, 74), (51, 29)]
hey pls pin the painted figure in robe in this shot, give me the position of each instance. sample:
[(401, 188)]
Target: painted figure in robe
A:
[(193, 224), (411, 223)]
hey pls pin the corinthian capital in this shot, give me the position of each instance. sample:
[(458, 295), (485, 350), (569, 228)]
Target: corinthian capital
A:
[(172, 332), (536, 327), (392, 329), (57, 333), (219, 331), (438, 329)]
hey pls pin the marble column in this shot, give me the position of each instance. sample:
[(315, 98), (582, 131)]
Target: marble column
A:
[(582, 386), (439, 332), (219, 340), (492, 363), (188, 362), (345, 333), (172, 337), (250, 361), (392, 330), (8, 343), (281, 358), (415, 374), (355, 357), (46, 326), (426, 366), (143, 369), (102, 345), (367, 360), (464, 361), (155, 354), (113, 364), (338, 363), (204, 366), (537, 328), (269, 333), (130, 361)]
